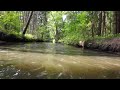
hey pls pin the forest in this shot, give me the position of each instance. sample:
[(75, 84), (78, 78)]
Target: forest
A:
[(59, 44), (68, 27)]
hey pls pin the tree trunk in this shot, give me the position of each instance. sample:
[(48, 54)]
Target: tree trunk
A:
[(104, 23), (93, 29), (30, 17), (100, 24), (93, 25), (116, 23), (110, 24), (56, 34), (56, 29)]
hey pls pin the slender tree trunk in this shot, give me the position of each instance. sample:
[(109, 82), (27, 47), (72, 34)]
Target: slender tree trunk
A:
[(110, 24), (93, 25), (30, 17), (93, 29), (57, 34), (104, 23), (116, 23), (100, 23), (56, 29)]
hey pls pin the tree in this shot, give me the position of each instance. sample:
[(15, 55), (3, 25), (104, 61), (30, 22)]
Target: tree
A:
[(64, 26), (104, 23), (93, 24), (25, 29), (55, 24), (100, 23), (116, 22)]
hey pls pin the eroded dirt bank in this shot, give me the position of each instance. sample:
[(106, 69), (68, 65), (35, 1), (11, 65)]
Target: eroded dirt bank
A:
[(107, 45)]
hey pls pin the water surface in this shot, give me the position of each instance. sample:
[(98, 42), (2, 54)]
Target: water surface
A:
[(55, 61)]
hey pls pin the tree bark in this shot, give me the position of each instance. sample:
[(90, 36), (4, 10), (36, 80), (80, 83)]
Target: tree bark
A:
[(104, 23), (100, 24), (116, 23), (30, 17), (93, 25), (110, 23)]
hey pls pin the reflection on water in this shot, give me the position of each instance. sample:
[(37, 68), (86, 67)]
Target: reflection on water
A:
[(55, 61)]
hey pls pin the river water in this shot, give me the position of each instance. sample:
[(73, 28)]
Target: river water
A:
[(55, 61)]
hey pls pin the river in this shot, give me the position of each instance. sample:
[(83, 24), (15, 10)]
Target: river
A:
[(55, 61)]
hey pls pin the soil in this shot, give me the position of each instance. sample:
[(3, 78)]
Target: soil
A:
[(109, 45)]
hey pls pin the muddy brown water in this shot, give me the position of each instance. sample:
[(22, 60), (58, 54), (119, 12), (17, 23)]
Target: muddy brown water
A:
[(56, 61)]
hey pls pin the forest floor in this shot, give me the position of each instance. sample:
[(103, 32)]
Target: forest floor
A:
[(107, 45)]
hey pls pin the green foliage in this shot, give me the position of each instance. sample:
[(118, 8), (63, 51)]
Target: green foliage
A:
[(42, 33), (76, 28), (29, 36), (55, 24), (9, 21)]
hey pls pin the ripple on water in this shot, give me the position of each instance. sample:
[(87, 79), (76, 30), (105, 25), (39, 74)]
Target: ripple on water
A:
[(74, 62), (33, 62), (60, 74), (42, 75), (71, 64), (59, 65)]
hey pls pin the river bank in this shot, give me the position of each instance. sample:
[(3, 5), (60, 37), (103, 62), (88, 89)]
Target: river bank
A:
[(4, 37), (111, 45)]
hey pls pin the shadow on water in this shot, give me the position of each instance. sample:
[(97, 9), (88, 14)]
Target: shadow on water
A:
[(50, 48)]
